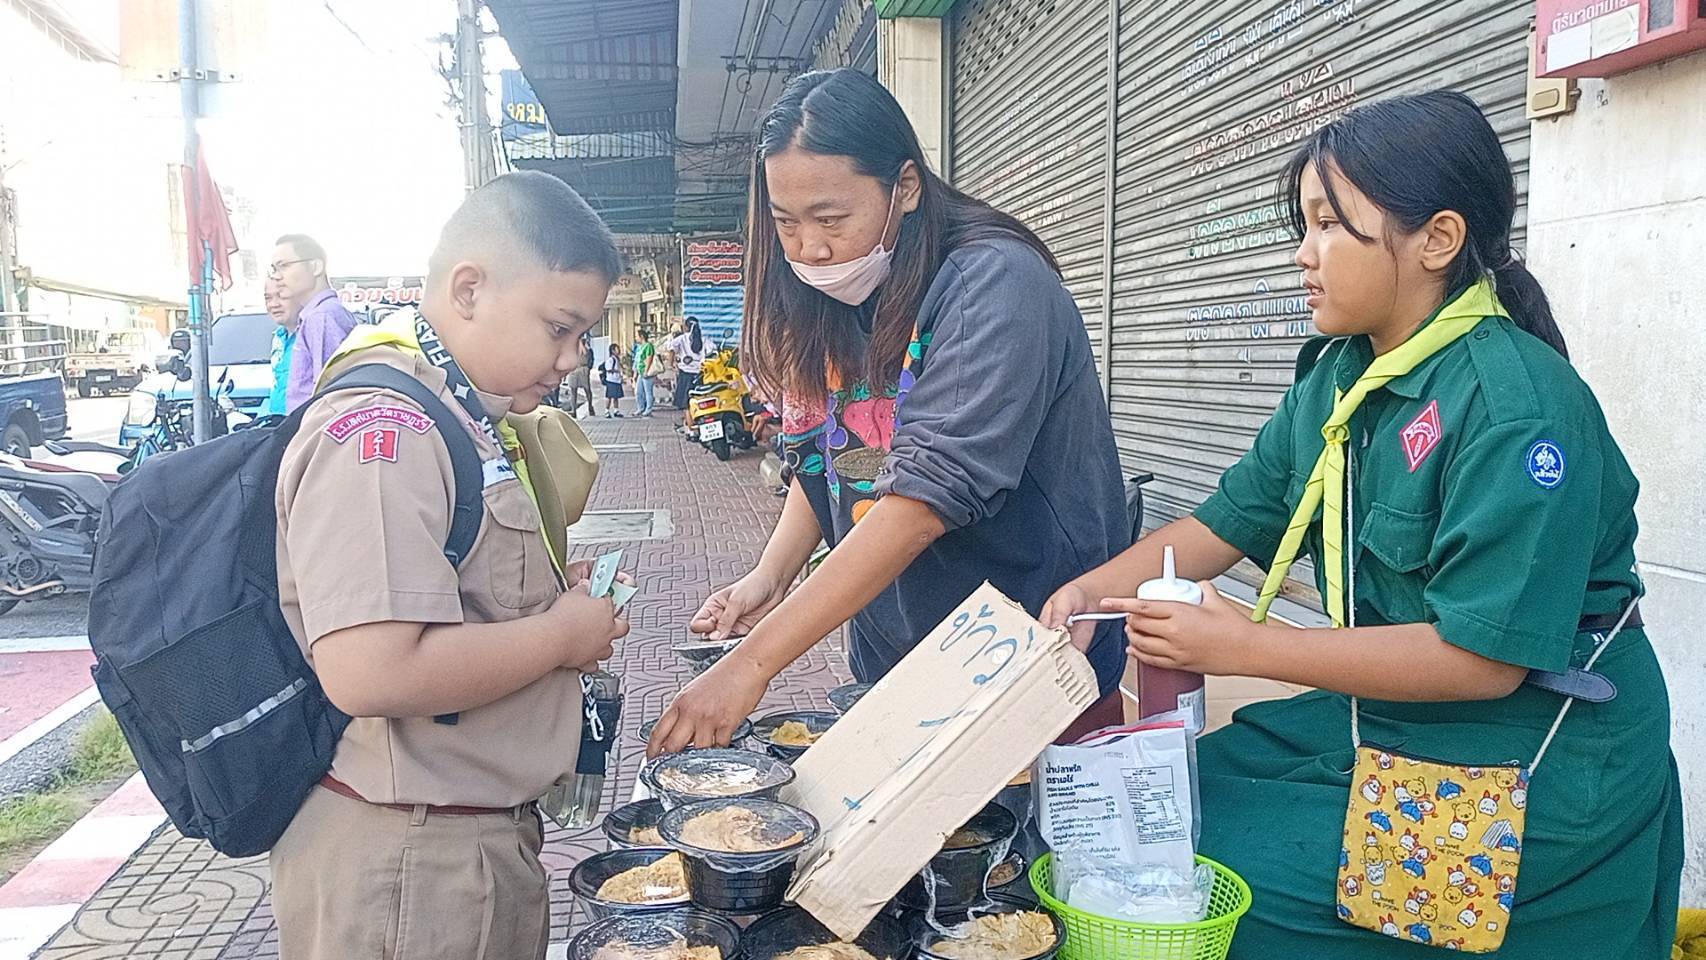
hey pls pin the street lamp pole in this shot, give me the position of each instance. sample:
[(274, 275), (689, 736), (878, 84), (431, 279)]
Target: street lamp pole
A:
[(189, 87)]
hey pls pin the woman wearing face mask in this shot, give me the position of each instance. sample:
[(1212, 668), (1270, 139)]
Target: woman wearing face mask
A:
[(942, 415)]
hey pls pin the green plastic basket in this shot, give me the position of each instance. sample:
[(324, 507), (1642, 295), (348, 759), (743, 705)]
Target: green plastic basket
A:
[(1089, 937)]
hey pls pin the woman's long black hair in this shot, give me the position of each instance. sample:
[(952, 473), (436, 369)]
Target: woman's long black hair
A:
[(790, 329), (698, 338), (1415, 156)]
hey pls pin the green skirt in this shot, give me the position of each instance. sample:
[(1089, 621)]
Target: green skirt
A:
[(1602, 851)]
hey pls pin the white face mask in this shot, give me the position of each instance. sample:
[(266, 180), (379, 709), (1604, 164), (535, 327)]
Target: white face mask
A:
[(853, 281)]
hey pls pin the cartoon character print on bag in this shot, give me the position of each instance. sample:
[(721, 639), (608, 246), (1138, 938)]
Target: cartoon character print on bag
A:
[(1426, 858)]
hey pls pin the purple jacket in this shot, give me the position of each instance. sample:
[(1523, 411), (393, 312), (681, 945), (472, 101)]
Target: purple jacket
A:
[(323, 325)]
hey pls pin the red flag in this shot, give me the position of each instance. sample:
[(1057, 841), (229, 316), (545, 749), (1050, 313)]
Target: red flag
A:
[(212, 226)]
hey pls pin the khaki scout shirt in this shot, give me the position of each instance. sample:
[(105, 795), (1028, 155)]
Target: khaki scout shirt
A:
[(364, 500)]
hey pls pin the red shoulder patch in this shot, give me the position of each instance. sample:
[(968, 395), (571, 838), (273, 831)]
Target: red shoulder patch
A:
[(379, 443), (353, 422), (1422, 435)]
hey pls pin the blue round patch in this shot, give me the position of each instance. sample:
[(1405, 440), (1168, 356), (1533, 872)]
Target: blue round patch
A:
[(1546, 464)]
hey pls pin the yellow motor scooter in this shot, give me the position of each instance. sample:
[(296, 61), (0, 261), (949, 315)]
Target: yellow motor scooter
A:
[(721, 413)]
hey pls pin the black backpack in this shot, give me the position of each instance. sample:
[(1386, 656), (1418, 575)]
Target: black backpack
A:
[(192, 653)]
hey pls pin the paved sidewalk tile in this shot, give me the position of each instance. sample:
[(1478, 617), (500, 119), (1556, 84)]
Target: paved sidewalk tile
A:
[(177, 899)]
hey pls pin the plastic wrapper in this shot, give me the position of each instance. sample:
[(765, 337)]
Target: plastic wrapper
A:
[(1123, 794), (1142, 894), (1120, 810), (770, 834), (958, 875), (630, 880), (694, 775), (656, 937)]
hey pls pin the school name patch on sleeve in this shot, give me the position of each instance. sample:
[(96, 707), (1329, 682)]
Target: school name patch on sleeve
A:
[(356, 421)]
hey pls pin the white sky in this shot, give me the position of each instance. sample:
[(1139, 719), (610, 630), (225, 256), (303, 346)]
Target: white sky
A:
[(339, 128), (344, 133)]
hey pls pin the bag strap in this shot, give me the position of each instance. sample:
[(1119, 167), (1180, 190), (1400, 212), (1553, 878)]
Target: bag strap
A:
[(1602, 641), (467, 469), (464, 458)]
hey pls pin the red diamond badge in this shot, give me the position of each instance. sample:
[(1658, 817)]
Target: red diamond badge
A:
[(1422, 435)]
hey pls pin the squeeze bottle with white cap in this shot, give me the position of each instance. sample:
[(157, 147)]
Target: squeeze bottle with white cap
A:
[(1160, 690)]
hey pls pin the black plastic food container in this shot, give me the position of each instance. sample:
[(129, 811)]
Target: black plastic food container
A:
[(959, 873), (740, 734), (698, 928), (741, 882), (843, 698), (924, 936), (817, 721), (620, 823), (590, 874), (790, 928)]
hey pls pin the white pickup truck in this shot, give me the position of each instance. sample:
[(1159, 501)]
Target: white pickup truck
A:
[(122, 359)]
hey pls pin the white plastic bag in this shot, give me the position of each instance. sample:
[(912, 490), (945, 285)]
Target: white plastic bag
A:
[(1119, 810)]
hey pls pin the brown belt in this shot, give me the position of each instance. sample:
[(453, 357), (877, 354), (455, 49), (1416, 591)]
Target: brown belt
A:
[(343, 789)]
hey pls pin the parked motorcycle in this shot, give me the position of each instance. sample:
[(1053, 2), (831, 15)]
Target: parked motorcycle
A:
[(50, 507), (722, 414)]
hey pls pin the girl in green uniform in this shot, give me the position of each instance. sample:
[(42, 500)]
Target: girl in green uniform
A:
[(1475, 539)]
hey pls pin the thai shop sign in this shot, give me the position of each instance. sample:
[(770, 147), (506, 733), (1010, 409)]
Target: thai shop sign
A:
[(387, 291), (523, 114), (713, 287)]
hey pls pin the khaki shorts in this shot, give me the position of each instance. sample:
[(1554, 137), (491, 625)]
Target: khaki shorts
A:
[(355, 881)]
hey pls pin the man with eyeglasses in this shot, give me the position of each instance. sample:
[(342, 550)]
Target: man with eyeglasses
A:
[(299, 271)]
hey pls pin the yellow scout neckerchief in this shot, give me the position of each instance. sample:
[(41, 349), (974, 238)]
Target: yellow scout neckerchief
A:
[(1327, 481)]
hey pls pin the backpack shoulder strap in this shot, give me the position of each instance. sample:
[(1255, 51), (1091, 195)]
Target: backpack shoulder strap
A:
[(465, 460)]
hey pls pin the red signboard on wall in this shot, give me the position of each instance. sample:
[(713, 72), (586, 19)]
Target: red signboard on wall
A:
[(1600, 38)]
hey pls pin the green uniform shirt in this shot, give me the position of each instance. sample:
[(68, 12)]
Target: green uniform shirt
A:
[(1490, 499)]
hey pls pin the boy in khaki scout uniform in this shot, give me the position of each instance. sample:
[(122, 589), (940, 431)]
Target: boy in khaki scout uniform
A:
[(423, 840)]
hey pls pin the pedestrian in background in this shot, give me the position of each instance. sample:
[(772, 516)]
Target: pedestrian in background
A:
[(610, 372), (645, 377), (689, 350), (283, 347), (299, 270), (579, 380)]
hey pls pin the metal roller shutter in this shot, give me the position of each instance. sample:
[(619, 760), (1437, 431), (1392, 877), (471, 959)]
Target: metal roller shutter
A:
[(1213, 96), (1029, 126)]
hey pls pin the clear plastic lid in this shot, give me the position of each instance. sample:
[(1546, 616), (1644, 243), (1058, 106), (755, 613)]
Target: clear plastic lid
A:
[(740, 834), (1005, 929), (678, 935), (741, 732), (710, 774)]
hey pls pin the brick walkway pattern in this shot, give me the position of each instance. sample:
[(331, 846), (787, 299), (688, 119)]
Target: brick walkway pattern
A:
[(178, 900)]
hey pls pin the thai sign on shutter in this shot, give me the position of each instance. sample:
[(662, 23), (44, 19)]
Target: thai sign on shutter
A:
[(1208, 314)]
